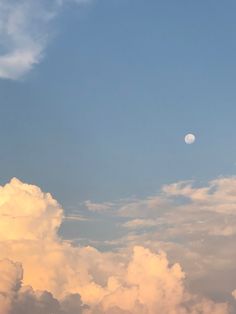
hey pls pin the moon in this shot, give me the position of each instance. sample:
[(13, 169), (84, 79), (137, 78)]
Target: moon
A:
[(190, 138)]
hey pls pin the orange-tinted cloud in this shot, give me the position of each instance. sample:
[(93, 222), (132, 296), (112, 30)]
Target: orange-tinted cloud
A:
[(138, 282)]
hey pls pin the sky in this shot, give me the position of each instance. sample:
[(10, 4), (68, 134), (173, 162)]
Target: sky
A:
[(96, 99)]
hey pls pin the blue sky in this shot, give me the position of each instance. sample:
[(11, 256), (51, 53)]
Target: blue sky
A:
[(103, 115)]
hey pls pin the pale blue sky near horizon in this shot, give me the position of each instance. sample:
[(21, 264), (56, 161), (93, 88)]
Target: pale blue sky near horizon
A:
[(103, 116)]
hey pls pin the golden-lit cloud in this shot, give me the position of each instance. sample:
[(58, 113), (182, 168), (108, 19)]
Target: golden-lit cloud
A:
[(61, 278), (195, 224), (18, 299)]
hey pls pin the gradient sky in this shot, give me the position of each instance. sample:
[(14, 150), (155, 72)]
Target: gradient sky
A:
[(104, 114), (96, 98)]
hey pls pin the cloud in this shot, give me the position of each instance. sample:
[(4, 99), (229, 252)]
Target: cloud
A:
[(234, 294), (151, 285), (194, 224), (24, 33), (18, 299), (10, 282), (75, 217), (22, 207), (98, 207), (140, 223), (219, 196), (63, 279)]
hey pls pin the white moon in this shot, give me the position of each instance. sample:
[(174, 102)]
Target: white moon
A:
[(190, 138)]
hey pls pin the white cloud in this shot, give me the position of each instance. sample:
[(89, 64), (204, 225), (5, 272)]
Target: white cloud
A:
[(24, 33), (218, 196)]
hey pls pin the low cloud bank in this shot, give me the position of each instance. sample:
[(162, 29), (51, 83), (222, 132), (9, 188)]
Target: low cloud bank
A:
[(42, 274)]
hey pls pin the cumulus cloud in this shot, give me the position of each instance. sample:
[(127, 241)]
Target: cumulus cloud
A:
[(195, 224), (151, 285), (24, 33), (63, 279)]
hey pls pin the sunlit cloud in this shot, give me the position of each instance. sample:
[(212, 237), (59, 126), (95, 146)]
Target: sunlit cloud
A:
[(41, 272), (195, 224)]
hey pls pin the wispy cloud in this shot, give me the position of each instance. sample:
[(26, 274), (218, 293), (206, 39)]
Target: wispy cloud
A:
[(24, 33), (98, 207), (140, 223), (75, 218)]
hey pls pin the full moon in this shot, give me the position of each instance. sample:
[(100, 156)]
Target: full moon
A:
[(189, 138)]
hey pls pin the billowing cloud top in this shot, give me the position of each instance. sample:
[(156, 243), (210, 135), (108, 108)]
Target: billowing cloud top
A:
[(21, 209), (63, 279)]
